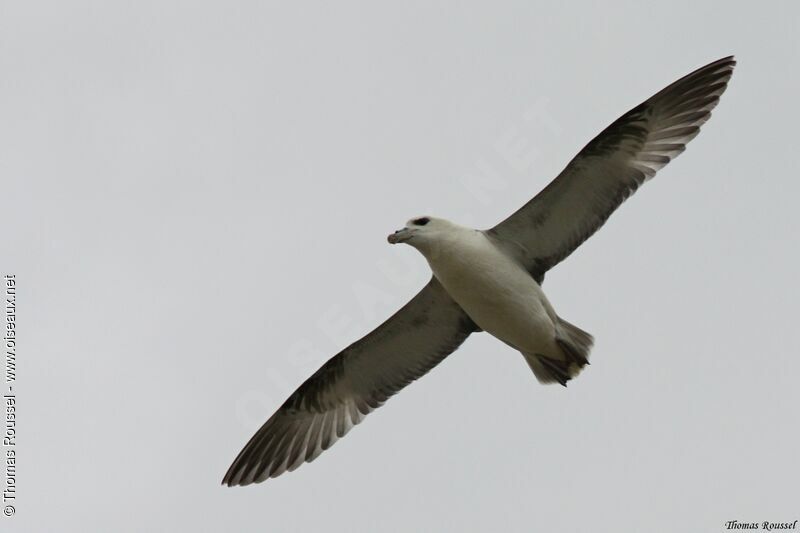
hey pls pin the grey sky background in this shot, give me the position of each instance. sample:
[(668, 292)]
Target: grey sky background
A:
[(195, 198)]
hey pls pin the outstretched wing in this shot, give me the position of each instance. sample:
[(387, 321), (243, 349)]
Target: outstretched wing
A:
[(353, 383), (610, 168)]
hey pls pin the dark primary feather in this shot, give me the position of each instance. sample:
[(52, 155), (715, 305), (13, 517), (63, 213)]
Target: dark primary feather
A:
[(610, 168), (353, 383)]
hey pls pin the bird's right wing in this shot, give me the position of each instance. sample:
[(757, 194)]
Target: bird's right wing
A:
[(610, 168), (353, 383)]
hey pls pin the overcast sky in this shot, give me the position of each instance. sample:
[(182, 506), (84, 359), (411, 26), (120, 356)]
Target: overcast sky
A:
[(195, 199)]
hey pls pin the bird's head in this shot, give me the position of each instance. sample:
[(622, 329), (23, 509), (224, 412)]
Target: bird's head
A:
[(421, 232)]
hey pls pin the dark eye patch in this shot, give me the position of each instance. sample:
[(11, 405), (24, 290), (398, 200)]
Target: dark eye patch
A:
[(421, 221)]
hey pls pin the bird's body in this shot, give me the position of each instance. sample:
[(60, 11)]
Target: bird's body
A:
[(492, 288), (488, 280)]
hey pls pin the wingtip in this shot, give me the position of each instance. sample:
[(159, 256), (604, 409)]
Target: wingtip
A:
[(727, 61), (234, 482), (234, 478)]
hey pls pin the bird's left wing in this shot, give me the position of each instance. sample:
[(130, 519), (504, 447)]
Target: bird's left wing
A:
[(353, 383), (610, 168)]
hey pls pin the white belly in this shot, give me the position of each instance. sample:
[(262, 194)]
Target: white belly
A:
[(497, 294)]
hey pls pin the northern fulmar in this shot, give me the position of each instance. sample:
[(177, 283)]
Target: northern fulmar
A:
[(487, 280)]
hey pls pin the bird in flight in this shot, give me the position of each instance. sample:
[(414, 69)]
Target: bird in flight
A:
[(487, 280)]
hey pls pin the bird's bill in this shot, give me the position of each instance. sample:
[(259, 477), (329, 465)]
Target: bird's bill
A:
[(400, 235)]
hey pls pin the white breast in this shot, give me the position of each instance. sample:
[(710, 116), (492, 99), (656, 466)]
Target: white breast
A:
[(495, 291)]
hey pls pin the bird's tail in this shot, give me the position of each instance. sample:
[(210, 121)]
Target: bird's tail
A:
[(575, 346)]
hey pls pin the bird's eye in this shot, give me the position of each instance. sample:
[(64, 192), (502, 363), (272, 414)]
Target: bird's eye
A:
[(421, 221)]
